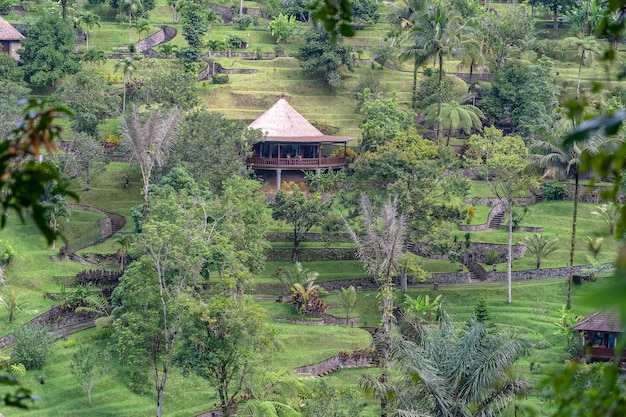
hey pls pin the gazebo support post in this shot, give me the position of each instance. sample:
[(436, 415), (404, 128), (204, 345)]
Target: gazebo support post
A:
[(278, 179)]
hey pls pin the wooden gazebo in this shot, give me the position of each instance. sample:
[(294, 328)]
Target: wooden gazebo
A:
[(291, 143), (600, 331)]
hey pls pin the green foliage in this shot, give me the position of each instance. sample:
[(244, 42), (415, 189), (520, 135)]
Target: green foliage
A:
[(348, 299), (597, 388), (170, 87), (421, 305), (299, 211), (23, 184), (10, 110), (282, 27), (555, 190), (383, 120), (481, 312), (230, 141), (567, 319), (326, 400), (296, 275), (594, 246), (32, 345), (493, 257), (610, 215), (426, 92), (220, 79), (319, 55), (90, 158), (12, 72), (194, 29), (365, 12), (436, 377), (89, 365), (48, 51), (540, 246), (221, 342), (88, 114), (327, 180), (7, 254), (306, 299), (504, 32), (523, 96), (243, 21)]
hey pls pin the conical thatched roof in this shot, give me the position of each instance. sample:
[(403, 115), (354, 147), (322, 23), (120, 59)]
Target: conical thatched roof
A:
[(282, 123), (8, 32)]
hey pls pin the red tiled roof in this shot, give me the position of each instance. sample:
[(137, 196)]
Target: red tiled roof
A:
[(600, 321)]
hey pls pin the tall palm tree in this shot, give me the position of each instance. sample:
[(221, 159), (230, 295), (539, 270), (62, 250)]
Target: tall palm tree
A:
[(127, 66), (149, 142), (95, 56), (133, 7), (379, 248), (141, 26), (446, 371), (89, 19), (439, 30), (563, 160), (588, 48), (455, 116)]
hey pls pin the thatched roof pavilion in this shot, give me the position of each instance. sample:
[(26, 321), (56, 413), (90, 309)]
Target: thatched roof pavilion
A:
[(10, 39), (291, 143)]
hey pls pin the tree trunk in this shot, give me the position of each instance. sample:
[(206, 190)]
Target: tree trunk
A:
[(144, 210), (414, 90), (124, 100), (403, 281), (580, 69), (439, 95), (573, 244), (296, 247), (555, 22), (510, 252), (385, 360)]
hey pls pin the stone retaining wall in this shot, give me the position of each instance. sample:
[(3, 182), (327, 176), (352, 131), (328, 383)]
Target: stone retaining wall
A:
[(151, 41), (535, 274), (312, 254), (335, 363), (308, 237)]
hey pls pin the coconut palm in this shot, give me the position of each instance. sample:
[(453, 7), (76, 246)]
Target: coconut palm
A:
[(446, 371), (453, 116), (609, 213), (133, 7), (588, 48), (561, 159), (141, 26), (89, 19), (168, 50), (439, 30), (540, 246), (127, 66), (95, 56)]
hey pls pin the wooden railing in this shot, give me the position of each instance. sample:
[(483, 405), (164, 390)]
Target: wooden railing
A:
[(334, 162), (601, 352)]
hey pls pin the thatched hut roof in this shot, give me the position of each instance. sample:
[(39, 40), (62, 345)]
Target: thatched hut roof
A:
[(8, 32), (600, 321), (282, 123)]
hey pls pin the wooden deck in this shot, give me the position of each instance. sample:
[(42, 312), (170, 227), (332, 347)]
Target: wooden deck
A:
[(296, 163), (601, 353)]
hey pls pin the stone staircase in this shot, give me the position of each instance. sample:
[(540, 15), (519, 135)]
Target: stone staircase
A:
[(496, 221)]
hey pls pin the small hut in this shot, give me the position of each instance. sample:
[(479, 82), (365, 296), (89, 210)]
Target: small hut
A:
[(600, 331), (291, 144), (10, 39)]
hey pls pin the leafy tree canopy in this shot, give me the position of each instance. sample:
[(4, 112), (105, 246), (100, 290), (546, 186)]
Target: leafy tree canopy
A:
[(48, 51), (318, 55)]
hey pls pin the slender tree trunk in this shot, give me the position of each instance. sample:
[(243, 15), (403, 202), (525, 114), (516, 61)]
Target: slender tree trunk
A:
[(144, 210), (87, 39), (573, 244), (580, 69), (414, 90), (124, 100), (296, 247), (439, 95), (555, 21), (387, 323), (510, 252)]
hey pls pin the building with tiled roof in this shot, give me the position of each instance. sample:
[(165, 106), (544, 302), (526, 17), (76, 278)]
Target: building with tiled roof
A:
[(10, 39), (600, 332)]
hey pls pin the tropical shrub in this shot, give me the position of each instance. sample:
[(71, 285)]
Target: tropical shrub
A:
[(32, 346)]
